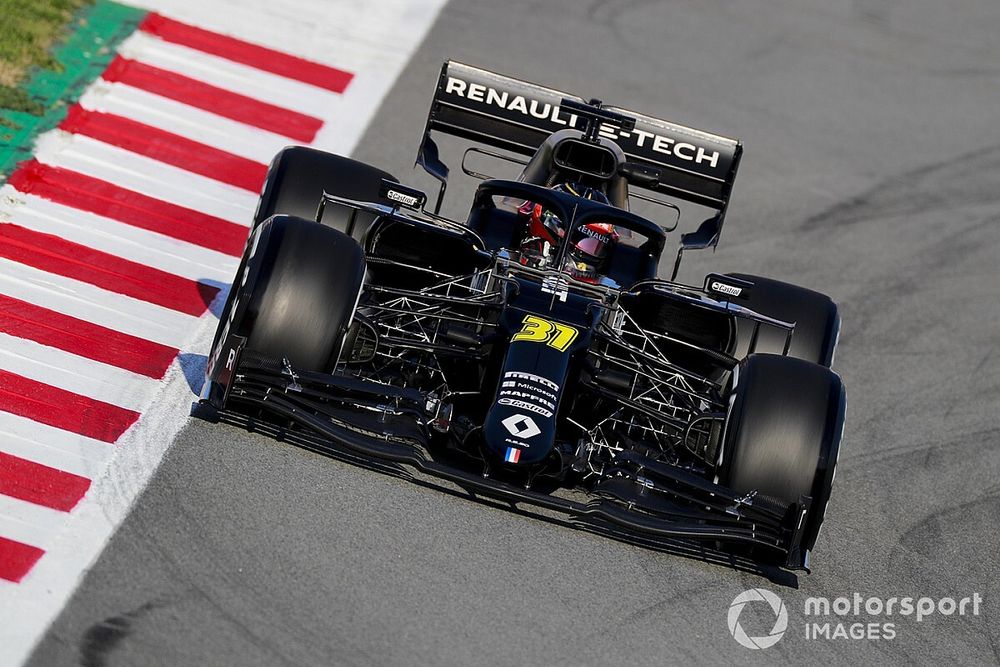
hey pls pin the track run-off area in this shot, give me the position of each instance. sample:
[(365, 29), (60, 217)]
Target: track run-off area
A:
[(871, 173), (117, 237)]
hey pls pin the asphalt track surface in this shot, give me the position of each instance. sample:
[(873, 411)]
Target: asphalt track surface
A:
[(872, 172)]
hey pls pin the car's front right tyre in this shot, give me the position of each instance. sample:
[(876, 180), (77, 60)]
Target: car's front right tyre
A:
[(295, 293)]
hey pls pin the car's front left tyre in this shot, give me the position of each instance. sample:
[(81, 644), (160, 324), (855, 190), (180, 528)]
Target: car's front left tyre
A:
[(782, 437)]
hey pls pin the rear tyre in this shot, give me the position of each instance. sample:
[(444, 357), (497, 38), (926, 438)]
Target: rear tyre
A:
[(297, 292), (817, 322), (298, 177), (783, 434)]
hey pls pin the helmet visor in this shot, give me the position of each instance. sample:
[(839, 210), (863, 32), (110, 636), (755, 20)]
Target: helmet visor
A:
[(592, 247)]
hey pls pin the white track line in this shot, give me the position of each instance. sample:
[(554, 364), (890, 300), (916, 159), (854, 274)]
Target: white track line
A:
[(187, 121), (53, 447), (29, 523), (116, 238), (146, 176), (79, 375), (93, 304), (233, 76)]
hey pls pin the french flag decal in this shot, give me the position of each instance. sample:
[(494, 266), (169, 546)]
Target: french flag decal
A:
[(513, 455)]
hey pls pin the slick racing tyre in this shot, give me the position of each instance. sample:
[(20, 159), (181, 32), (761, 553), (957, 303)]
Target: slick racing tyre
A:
[(817, 322), (783, 434), (296, 292), (298, 177)]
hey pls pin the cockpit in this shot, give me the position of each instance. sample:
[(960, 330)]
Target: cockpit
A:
[(574, 237)]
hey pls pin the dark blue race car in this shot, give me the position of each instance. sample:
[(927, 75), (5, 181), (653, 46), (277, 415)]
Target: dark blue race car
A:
[(530, 353)]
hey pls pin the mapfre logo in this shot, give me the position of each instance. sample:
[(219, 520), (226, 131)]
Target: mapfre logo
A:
[(762, 597)]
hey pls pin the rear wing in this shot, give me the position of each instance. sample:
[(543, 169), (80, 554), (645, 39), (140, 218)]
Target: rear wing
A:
[(517, 116)]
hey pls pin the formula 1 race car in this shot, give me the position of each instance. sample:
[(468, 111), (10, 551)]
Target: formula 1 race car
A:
[(530, 353)]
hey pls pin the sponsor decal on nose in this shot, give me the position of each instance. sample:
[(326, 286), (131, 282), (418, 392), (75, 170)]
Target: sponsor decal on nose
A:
[(521, 426)]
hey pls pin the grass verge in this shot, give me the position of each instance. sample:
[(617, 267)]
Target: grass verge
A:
[(50, 51), (27, 33)]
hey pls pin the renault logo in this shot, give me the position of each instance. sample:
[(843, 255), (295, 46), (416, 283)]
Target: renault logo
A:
[(521, 426)]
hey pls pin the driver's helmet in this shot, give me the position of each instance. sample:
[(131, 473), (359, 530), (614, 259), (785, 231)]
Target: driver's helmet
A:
[(592, 243), (589, 252)]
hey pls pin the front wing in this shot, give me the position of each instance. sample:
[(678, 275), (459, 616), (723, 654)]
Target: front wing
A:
[(654, 508)]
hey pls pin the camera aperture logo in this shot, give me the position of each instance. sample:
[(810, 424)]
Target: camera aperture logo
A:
[(757, 595)]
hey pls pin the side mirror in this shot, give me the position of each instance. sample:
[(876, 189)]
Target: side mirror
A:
[(705, 236)]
